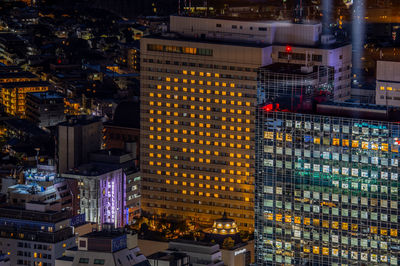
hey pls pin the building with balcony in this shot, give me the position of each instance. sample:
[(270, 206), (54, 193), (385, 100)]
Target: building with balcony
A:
[(13, 95)]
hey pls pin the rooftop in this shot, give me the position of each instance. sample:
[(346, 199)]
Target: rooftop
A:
[(93, 169), (166, 256), (80, 121), (47, 95), (12, 85), (22, 214), (105, 234), (23, 74)]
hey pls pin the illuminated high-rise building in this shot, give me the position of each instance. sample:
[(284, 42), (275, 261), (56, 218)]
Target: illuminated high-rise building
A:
[(326, 181), (198, 102)]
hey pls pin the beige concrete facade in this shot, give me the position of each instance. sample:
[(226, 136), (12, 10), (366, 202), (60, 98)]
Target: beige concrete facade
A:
[(197, 128)]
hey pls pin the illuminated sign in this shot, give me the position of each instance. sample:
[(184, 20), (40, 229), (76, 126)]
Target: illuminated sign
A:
[(240, 251)]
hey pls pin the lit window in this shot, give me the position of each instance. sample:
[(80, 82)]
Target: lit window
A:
[(389, 88), (382, 88)]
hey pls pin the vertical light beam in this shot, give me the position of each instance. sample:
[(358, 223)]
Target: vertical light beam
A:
[(327, 16), (357, 34)]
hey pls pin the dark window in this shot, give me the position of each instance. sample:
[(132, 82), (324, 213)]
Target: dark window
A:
[(234, 26), (82, 244), (99, 261), (262, 29), (84, 260), (219, 25)]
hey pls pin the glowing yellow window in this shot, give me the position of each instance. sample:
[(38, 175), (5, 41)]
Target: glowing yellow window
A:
[(393, 232), (306, 249), (207, 194), (335, 142), (345, 142), (208, 74), (233, 86), (192, 73), (325, 224), (374, 229), (382, 88), (184, 89), (168, 181), (325, 251), (184, 72), (223, 171), (384, 232), (354, 227), (176, 88), (354, 143), (316, 222), (208, 83), (335, 225), (345, 226), (315, 250), (364, 145), (159, 87), (288, 219), (223, 84), (389, 88), (193, 81), (297, 220), (168, 88), (385, 147), (307, 221), (317, 141), (201, 74), (208, 186), (183, 191), (168, 79)]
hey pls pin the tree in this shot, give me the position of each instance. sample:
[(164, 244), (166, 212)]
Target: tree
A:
[(228, 243)]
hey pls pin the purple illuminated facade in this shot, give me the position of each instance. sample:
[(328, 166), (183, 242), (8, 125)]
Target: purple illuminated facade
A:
[(102, 193)]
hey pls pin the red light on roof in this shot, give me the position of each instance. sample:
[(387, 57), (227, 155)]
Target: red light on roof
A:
[(288, 49), (268, 107)]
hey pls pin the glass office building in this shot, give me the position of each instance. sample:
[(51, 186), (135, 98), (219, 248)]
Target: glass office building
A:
[(327, 186)]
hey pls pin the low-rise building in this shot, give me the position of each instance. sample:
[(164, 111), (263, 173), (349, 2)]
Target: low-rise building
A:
[(45, 108), (13, 95), (34, 235), (102, 193), (103, 248)]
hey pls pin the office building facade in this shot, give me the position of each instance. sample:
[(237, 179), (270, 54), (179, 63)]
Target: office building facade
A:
[(327, 186), (197, 106), (198, 99)]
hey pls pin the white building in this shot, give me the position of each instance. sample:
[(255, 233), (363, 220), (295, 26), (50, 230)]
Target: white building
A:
[(102, 193), (33, 237), (104, 248), (388, 83)]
